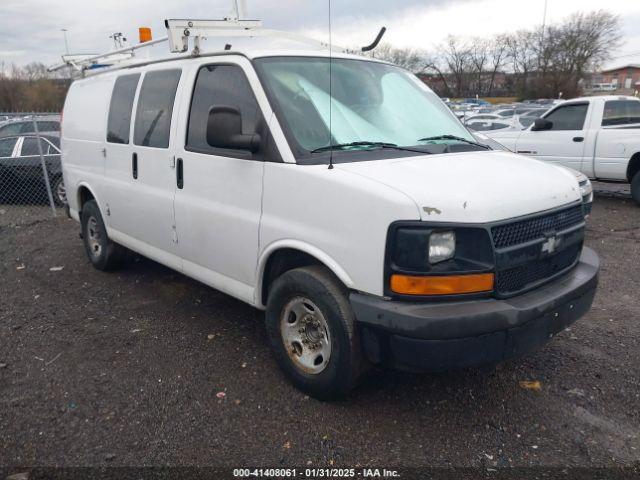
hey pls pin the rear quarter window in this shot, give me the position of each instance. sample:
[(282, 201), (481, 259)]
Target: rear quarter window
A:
[(155, 107), (119, 123), (621, 112)]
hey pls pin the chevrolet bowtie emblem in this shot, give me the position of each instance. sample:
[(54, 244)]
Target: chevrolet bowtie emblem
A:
[(550, 245)]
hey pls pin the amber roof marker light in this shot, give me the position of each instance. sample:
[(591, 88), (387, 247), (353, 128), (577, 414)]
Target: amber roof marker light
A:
[(144, 34)]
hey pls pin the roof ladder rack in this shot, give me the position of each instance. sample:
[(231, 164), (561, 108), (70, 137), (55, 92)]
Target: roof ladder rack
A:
[(179, 31)]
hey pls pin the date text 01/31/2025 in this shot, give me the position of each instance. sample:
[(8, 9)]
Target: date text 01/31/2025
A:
[(312, 473)]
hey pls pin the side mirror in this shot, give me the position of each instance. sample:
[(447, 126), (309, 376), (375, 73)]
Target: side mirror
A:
[(224, 130), (540, 124)]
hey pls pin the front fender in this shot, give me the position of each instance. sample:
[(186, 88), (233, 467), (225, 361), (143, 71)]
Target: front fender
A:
[(305, 247)]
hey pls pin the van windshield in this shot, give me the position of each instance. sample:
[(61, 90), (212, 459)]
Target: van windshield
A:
[(369, 104)]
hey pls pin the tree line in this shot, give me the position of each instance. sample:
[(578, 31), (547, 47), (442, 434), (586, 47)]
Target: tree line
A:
[(31, 88), (534, 63), (540, 62)]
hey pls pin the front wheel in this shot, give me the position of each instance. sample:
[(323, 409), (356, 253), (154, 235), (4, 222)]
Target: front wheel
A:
[(311, 329), (635, 188)]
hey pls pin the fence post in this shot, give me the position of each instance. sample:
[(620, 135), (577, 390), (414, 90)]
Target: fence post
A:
[(44, 167)]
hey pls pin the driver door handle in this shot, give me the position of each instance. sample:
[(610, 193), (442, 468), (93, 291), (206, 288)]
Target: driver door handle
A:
[(578, 139)]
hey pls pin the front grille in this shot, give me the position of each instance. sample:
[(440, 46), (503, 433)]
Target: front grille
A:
[(531, 229), (518, 278)]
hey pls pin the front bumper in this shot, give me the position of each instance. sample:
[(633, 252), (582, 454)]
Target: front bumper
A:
[(448, 335)]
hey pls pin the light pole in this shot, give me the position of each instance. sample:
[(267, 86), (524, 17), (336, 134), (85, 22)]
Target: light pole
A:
[(544, 18), (66, 41)]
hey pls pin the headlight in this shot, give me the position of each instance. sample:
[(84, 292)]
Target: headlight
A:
[(586, 190), (424, 260), (442, 246)]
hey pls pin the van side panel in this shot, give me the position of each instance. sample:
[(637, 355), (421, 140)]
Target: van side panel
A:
[(83, 135), (339, 217)]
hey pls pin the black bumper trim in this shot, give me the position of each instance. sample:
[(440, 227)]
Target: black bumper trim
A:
[(443, 335)]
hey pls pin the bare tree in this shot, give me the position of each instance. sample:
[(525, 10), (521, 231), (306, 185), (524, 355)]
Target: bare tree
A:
[(479, 58), (522, 56), (586, 40), (413, 60), (456, 55), (541, 63), (498, 49)]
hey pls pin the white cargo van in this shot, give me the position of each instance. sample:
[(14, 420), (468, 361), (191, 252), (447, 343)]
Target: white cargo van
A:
[(359, 213)]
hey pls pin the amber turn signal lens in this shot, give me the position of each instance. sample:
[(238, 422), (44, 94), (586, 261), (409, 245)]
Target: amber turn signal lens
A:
[(441, 285), (145, 34)]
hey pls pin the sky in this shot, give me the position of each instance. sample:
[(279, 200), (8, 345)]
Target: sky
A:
[(30, 30)]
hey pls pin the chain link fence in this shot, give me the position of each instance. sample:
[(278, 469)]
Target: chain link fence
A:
[(31, 183)]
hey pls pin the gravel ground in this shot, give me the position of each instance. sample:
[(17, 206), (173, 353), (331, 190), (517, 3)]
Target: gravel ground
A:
[(125, 369)]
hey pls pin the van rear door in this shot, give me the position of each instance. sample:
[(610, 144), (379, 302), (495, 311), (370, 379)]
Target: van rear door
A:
[(141, 173), (120, 190)]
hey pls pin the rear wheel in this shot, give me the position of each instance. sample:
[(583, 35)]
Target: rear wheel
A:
[(103, 253), (312, 332), (635, 188)]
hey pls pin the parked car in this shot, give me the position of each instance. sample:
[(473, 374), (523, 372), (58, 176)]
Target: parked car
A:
[(21, 175), (598, 136), (491, 125), (475, 101), (484, 116), (364, 218), (23, 126)]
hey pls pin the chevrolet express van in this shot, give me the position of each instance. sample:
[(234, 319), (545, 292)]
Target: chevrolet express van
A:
[(360, 214)]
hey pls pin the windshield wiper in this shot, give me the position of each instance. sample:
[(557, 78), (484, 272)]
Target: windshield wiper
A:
[(453, 137), (342, 146), (362, 143)]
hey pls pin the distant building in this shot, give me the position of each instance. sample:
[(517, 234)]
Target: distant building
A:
[(623, 80)]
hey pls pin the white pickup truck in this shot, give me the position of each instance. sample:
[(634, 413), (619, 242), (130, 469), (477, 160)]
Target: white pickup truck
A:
[(599, 136)]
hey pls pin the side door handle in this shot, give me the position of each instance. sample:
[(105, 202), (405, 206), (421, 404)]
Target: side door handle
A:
[(179, 173), (134, 165), (578, 139)]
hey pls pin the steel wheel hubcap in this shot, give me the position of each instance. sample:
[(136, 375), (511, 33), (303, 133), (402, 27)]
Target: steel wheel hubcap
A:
[(61, 192), (305, 335), (94, 237)]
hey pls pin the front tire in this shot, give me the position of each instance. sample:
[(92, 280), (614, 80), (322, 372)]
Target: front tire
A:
[(635, 188), (103, 253), (311, 328)]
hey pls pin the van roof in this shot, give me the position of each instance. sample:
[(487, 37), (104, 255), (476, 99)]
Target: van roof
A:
[(250, 54)]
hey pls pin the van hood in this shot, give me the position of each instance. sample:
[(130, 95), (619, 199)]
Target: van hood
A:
[(473, 187)]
